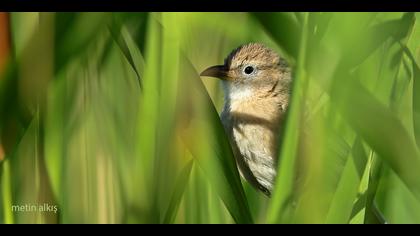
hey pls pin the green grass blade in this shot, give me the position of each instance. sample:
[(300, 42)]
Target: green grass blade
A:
[(285, 178), (176, 197), (395, 145), (345, 195), (370, 38), (74, 32), (204, 135), (416, 95), (115, 29), (283, 28), (6, 190), (416, 102), (55, 136), (149, 120), (374, 176)]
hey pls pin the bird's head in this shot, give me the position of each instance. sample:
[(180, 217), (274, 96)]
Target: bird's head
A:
[(250, 69)]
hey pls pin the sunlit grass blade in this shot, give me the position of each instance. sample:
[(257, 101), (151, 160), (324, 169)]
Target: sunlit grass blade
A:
[(359, 206), (148, 118), (365, 210), (280, 206), (374, 176)]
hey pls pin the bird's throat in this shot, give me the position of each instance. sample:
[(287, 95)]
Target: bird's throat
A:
[(237, 93)]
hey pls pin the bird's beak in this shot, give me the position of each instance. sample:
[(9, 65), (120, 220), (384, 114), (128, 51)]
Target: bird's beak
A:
[(219, 71)]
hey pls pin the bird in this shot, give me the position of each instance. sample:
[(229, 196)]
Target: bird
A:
[(256, 83)]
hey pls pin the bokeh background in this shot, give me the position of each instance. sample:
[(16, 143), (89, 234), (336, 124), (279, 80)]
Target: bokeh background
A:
[(104, 116)]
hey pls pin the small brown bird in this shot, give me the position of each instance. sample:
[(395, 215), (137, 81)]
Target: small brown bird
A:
[(256, 82)]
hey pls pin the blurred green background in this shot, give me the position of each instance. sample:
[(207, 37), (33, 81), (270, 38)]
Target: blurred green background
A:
[(104, 116)]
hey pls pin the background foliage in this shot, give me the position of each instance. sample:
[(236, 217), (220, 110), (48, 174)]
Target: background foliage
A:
[(104, 115)]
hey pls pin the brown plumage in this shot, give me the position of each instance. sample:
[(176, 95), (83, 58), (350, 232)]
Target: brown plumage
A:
[(256, 82)]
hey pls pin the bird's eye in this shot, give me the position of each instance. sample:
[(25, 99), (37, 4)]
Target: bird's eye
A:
[(248, 70)]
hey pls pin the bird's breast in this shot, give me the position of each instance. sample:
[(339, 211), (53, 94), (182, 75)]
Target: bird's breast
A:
[(253, 132)]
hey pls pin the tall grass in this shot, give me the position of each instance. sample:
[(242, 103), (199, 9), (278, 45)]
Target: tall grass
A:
[(104, 116)]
